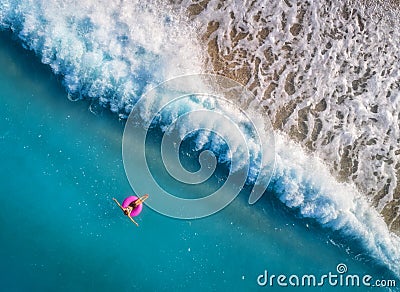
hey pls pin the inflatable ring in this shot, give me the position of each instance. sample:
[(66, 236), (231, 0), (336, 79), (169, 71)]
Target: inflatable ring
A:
[(129, 200)]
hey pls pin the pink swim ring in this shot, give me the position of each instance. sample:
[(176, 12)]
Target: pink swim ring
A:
[(129, 200)]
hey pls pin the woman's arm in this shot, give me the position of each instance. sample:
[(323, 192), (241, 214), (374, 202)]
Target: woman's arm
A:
[(115, 200), (133, 221)]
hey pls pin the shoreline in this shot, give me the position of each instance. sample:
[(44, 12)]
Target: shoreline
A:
[(223, 63)]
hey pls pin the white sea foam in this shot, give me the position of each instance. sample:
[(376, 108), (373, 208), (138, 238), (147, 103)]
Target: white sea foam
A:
[(329, 73), (105, 50), (305, 184), (113, 51)]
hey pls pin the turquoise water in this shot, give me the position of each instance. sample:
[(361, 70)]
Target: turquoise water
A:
[(61, 166)]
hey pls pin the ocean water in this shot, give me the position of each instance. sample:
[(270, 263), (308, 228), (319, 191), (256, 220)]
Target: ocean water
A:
[(62, 164)]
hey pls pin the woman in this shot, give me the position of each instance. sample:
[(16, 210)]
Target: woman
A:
[(133, 205)]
